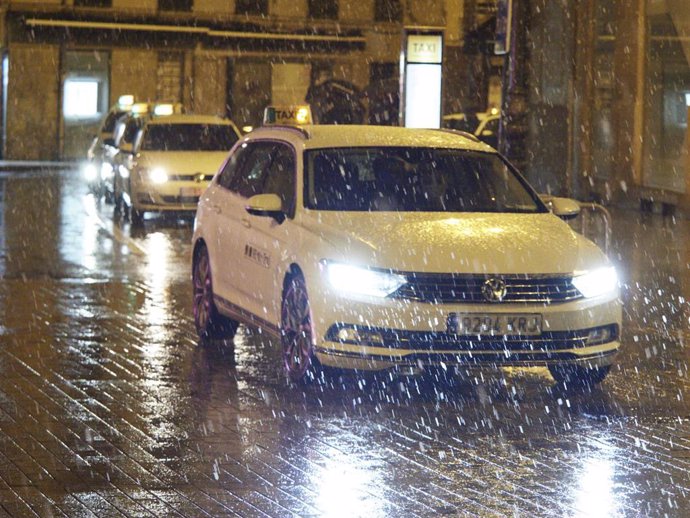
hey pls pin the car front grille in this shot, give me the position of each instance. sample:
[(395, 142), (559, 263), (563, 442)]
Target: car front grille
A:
[(191, 177), (459, 288), (182, 200)]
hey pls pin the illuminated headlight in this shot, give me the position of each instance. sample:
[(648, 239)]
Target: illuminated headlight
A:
[(90, 172), (362, 281), (106, 170), (123, 171), (596, 282), (157, 175)]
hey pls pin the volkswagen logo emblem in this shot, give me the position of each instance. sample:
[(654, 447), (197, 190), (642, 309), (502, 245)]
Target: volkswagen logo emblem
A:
[(199, 177), (493, 290)]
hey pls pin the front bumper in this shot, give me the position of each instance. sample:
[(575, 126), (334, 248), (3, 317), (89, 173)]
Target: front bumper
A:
[(415, 335), (170, 196)]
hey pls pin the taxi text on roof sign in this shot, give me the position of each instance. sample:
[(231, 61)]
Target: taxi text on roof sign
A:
[(300, 114)]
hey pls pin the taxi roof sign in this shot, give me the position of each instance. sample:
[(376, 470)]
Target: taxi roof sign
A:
[(164, 109), (125, 101), (140, 108), (299, 115)]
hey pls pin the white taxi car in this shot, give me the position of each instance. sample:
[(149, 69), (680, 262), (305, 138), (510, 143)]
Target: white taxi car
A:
[(370, 247), (172, 161)]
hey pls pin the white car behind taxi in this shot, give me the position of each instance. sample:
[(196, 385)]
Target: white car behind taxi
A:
[(171, 163), (372, 248)]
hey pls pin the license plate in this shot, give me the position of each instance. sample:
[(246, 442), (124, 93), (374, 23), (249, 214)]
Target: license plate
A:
[(494, 325), (189, 192)]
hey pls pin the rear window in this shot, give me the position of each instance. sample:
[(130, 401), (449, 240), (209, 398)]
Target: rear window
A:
[(189, 137)]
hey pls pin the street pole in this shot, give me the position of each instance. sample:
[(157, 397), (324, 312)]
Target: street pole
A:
[(513, 127)]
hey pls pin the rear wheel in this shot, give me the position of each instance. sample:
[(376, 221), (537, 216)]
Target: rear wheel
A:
[(296, 332), (210, 325), (578, 376)]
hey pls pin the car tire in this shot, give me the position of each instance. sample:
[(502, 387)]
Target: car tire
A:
[(300, 364), (210, 325), (578, 376)]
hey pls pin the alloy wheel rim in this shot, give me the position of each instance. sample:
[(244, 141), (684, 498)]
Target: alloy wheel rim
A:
[(202, 282), (296, 331)]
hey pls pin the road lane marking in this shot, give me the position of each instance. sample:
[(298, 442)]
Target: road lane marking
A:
[(113, 230)]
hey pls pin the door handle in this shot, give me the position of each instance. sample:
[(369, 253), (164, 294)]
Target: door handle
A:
[(246, 223), (214, 208)]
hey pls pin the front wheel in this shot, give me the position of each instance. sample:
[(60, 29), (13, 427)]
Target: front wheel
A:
[(578, 376), (210, 325), (297, 333)]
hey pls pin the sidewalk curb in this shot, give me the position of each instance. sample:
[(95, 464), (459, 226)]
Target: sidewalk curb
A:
[(21, 165)]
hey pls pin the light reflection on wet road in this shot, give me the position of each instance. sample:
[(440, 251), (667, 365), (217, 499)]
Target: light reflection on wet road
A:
[(109, 407)]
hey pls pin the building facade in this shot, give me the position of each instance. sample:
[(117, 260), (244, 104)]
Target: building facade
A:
[(65, 62), (594, 102)]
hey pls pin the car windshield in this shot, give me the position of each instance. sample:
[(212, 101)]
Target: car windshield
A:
[(189, 137), (110, 120), (414, 180)]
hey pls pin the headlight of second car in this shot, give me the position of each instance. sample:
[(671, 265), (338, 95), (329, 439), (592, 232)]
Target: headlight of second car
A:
[(157, 175), (595, 283), (362, 281)]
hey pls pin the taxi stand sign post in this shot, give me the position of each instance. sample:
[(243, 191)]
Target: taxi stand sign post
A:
[(421, 67)]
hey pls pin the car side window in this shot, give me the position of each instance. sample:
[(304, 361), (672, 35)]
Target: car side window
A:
[(249, 177), (280, 178)]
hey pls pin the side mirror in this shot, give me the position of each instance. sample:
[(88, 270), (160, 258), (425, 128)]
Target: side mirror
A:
[(267, 205), (564, 208)]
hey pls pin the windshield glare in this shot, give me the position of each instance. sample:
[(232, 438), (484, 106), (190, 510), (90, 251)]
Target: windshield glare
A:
[(189, 137), (414, 180)]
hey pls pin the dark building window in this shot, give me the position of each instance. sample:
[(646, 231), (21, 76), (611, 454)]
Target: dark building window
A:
[(169, 76), (387, 11), (323, 9), (93, 3), (175, 5), (384, 96), (252, 7)]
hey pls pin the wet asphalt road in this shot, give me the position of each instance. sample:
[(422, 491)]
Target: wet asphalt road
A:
[(109, 407)]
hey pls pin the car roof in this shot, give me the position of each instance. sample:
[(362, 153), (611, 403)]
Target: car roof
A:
[(327, 136), (189, 119)]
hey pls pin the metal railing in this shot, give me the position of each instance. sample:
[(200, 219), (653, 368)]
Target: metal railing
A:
[(592, 229), (593, 222)]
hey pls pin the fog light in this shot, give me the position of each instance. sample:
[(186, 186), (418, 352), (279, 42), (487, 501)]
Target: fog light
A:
[(600, 335), (360, 336)]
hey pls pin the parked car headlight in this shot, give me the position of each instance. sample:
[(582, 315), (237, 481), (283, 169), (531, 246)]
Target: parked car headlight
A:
[(158, 175), (362, 281), (107, 171), (596, 282), (90, 172)]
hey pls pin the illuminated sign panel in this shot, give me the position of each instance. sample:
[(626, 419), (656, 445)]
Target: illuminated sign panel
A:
[(422, 60), (424, 49), (423, 96), (80, 98)]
